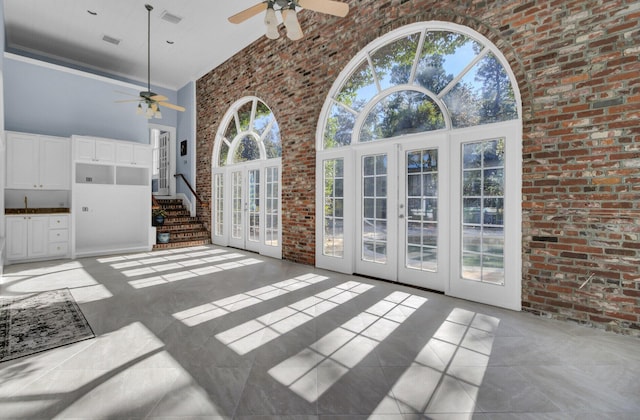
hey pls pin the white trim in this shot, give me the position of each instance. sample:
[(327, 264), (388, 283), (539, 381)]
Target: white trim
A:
[(173, 144), (194, 136), (74, 72)]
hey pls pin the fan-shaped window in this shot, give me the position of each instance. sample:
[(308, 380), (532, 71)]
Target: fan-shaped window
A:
[(401, 113), (425, 79), (250, 133)]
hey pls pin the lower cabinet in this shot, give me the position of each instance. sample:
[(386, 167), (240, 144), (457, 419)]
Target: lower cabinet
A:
[(111, 219), (37, 237)]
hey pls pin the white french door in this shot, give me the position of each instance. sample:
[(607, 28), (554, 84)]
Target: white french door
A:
[(254, 209), (440, 211), (245, 209), (401, 234), (486, 213)]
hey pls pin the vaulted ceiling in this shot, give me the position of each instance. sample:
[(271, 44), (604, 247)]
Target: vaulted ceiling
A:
[(84, 33)]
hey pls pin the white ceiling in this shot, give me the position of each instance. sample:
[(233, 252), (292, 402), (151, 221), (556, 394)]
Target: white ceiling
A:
[(64, 30)]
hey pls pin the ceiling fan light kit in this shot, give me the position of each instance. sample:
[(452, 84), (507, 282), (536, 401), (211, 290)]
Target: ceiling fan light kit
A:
[(271, 22), (289, 14), (290, 17)]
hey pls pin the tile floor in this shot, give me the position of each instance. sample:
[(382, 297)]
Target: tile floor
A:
[(210, 332)]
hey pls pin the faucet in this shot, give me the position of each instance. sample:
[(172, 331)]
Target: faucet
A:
[(26, 203)]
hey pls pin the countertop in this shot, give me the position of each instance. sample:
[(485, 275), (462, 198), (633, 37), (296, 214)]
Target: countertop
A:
[(39, 210)]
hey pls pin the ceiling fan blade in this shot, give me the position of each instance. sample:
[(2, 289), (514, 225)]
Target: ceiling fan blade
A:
[(158, 98), (248, 13), (330, 7), (172, 106)]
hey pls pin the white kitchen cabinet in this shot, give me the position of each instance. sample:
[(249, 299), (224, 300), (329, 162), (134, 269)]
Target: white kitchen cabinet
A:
[(38, 162), (94, 150), (28, 237), (111, 203), (133, 154)]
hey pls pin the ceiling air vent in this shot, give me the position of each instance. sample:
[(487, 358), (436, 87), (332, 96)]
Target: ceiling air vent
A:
[(110, 39), (170, 17)]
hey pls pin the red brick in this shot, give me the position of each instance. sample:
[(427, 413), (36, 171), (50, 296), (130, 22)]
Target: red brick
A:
[(575, 146)]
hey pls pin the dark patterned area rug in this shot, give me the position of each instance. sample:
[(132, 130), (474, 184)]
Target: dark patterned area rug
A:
[(33, 323)]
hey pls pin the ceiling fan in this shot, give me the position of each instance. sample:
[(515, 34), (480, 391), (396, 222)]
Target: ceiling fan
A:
[(288, 10), (152, 100)]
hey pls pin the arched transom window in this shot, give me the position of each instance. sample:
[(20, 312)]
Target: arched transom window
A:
[(424, 80), (249, 132)]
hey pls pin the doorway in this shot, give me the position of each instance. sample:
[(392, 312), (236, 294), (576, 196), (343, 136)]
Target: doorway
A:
[(401, 235), (255, 208), (162, 140)]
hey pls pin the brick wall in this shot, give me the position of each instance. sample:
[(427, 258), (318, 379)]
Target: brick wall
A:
[(577, 67)]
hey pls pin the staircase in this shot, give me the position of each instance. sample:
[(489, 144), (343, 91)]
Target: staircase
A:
[(184, 230)]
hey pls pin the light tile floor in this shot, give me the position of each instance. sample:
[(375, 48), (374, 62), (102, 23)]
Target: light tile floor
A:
[(210, 332)]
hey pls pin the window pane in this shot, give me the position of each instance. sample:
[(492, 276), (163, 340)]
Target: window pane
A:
[(483, 211), (333, 233), (483, 96), (224, 152), (247, 150), (339, 127), (219, 203), (262, 117), (494, 182), (472, 183), (393, 62), (359, 89), (444, 55), (402, 113), (271, 140), (244, 115)]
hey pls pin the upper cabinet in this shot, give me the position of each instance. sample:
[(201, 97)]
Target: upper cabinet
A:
[(38, 162), (94, 150), (133, 154)]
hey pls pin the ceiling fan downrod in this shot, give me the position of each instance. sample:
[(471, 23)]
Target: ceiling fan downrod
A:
[(149, 9)]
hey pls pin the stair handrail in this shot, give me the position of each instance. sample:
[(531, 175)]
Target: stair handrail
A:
[(198, 199)]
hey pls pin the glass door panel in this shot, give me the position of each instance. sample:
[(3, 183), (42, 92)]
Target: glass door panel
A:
[(237, 210), (272, 198), (423, 228), (253, 205), (377, 213)]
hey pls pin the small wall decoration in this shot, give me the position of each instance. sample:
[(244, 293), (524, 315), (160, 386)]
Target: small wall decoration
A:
[(183, 147)]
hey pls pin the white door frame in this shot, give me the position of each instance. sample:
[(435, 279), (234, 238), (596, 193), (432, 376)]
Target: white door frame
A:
[(172, 154), (226, 239)]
